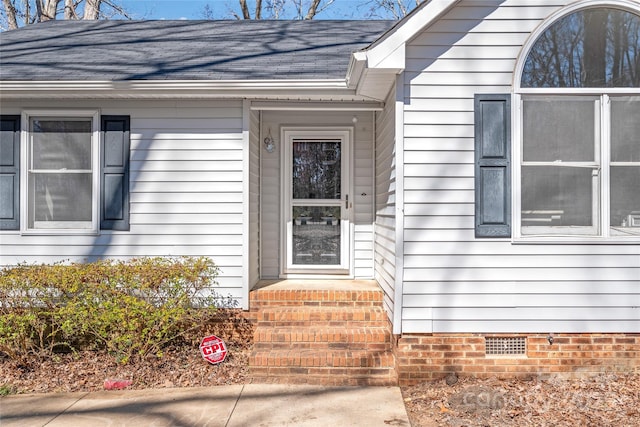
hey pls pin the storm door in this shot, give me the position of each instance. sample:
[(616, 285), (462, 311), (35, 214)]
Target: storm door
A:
[(317, 205)]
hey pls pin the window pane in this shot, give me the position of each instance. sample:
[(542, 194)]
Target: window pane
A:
[(316, 235), (557, 196), (59, 197), (556, 129), (625, 129), (61, 144), (625, 197), (596, 47), (316, 169)]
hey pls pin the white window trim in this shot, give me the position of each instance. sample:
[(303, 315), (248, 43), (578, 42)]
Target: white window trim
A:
[(94, 115)]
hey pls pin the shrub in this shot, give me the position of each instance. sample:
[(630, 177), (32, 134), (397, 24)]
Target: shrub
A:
[(129, 309), (7, 389)]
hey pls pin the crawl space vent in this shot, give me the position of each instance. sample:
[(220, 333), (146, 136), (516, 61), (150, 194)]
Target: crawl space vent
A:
[(505, 346)]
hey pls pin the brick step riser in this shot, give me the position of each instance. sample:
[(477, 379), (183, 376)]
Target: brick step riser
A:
[(265, 299), (341, 369), (327, 382), (349, 316), (329, 378), (323, 313), (308, 336), (370, 299), (259, 305), (327, 324), (355, 373), (316, 295), (349, 369), (323, 346), (307, 359)]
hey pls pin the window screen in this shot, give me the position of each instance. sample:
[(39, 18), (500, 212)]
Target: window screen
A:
[(60, 175)]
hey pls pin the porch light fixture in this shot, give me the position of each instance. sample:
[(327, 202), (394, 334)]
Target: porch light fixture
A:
[(269, 143)]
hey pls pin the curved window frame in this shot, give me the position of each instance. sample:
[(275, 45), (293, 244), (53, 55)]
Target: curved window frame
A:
[(601, 230)]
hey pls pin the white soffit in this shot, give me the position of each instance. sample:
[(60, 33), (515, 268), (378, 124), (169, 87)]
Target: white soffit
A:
[(376, 83)]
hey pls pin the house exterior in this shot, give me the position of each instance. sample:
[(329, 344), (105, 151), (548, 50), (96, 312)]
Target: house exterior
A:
[(479, 160)]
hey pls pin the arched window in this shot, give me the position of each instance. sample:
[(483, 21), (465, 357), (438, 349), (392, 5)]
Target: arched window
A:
[(597, 47), (579, 128)]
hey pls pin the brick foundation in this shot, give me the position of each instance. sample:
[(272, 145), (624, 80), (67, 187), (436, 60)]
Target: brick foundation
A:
[(422, 357)]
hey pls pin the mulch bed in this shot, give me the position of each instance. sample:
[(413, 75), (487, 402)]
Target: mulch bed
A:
[(87, 371), (181, 365)]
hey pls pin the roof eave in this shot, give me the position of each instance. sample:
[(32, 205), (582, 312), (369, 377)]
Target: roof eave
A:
[(157, 89), (388, 50), (387, 54)]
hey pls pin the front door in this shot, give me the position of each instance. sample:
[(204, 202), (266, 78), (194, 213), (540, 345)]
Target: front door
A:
[(316, 201)]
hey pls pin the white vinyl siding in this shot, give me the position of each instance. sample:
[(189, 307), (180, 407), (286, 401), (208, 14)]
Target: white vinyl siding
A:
[(454, 282), (362, 184), (270, 204), (186, 172), (254, 198), (385, 221)]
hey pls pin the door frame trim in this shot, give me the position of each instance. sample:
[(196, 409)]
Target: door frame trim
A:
[(287, 133)]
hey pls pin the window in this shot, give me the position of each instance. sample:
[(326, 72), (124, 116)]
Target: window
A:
[(64, 172), (579, 129), (61, 173), (624, 172), (580, 166), (597, 47)]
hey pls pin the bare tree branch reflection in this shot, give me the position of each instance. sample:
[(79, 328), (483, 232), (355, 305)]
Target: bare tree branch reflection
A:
[(590, 48)]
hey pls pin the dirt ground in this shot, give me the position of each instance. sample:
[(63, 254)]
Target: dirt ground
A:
[(604, 400)]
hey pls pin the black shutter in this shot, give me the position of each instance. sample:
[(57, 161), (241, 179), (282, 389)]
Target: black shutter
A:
[(493, 165), (114, 173), (9, 172)]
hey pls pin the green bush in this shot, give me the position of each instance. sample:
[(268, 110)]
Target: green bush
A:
[(130, 309), (7, 389)]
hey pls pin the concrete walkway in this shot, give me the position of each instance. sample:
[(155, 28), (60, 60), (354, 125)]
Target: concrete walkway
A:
[(225, 406)]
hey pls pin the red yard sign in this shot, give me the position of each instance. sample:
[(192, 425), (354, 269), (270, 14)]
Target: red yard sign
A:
[(213, 349)]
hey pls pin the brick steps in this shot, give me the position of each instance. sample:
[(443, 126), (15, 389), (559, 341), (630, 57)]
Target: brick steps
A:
[(324, 376), (293, 316), (315, 359), (338, 367), (375, 338), (315, 298), (317, 336)]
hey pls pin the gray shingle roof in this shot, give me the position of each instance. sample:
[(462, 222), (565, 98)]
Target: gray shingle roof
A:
[(184, 50)]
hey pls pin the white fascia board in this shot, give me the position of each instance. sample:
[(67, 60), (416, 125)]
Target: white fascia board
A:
[(388, 51), (173, 88), (317, 106), (357, 64)]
